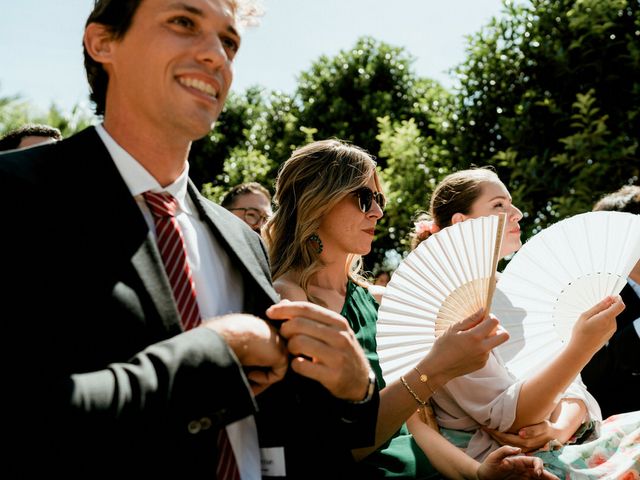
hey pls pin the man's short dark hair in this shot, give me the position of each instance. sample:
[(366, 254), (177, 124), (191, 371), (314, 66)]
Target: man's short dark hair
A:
[(117, 16), (627, 199), (12, 139), (242, 189)]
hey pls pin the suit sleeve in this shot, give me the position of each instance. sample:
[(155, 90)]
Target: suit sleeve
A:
[(185, 378)]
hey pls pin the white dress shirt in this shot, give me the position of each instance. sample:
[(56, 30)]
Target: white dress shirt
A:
[(218, 285)]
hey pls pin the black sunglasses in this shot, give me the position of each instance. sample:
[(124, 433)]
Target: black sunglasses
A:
[(366, 196)]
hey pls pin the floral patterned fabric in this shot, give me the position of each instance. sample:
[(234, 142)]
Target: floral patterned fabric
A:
[(609, 451)]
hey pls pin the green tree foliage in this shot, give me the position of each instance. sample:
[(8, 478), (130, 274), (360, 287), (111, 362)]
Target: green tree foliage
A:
[(254, 135), (15, 112), (343, 96), (208, 154), (549, 94), (338, 97), (415, 163)]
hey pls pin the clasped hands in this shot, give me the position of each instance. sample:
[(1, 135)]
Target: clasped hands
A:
[(323, 346)]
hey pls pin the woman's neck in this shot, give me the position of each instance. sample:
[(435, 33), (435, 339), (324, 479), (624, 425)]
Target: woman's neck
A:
[(333, 276)]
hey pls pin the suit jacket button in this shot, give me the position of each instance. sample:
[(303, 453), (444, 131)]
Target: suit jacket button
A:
[(205, 423), (194, 427)]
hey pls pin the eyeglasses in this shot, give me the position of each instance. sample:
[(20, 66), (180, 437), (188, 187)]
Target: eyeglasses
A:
[(252, 216), (366, 196)]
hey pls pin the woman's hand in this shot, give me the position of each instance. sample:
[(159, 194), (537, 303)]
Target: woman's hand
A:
[(506, 464), (596, 326), (528, 438), (463, 348)]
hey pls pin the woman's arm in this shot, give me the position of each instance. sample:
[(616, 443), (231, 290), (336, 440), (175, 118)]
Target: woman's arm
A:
[(453, 463), (448, 459), (539, 394), (563, 423), (462, 349)]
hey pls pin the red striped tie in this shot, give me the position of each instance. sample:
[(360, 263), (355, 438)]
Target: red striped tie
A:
[(174, 256)]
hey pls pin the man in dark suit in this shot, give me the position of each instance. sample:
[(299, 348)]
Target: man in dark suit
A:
[(613, 374), (101, 375)]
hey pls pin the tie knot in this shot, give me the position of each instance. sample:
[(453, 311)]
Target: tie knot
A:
[(161, 204)]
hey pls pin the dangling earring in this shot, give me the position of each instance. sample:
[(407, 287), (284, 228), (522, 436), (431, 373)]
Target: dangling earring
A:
[(316, 239)]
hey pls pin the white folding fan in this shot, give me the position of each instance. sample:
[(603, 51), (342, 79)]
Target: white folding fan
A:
[(558, 274), (450, 276)]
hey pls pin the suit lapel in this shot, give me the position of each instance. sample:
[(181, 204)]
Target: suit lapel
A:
[(123, 234), (233, 237), (148, 265)]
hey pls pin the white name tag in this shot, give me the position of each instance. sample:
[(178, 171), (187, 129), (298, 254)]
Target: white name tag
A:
[(272, 462)]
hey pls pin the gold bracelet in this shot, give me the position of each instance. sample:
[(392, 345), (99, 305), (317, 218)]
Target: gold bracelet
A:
[(424, 379), (422, 403)]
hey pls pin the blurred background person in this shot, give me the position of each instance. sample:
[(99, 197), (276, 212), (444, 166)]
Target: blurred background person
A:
[(29, 135), (613, 374), (250, 202), (382, 278)]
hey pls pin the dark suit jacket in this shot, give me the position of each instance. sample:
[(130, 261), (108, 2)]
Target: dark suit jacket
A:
[(98, 378), (613, 374)]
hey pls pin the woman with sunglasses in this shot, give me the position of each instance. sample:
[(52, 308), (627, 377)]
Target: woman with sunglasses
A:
[(328, 201)]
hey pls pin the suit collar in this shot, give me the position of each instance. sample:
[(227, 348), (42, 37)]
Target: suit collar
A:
[(234, 236)]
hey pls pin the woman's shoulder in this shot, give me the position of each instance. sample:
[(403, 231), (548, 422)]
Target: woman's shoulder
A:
[(288, 288)]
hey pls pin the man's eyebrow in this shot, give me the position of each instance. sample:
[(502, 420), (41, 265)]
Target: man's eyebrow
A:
[(187, 7), (197, 11)]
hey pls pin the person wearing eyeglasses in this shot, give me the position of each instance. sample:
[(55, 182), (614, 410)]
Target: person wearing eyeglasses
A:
[(328, 201), (250, 202)]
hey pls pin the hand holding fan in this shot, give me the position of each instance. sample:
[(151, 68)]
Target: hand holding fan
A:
[(558, 274), (450, 276)]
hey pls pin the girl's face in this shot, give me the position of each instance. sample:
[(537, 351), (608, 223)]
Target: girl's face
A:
[(345, 229), (494, 198)]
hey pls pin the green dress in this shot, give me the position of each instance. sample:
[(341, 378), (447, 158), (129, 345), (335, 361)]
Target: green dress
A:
[(400, 456)]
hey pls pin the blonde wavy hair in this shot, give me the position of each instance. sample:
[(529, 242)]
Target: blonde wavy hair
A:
[(310, 183)]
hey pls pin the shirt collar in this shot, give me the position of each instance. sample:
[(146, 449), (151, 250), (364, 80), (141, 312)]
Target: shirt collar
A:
[(635, 286), (138, 179)]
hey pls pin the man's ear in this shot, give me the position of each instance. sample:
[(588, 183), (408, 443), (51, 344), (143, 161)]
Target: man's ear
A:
[(458, 217), (98, 41)]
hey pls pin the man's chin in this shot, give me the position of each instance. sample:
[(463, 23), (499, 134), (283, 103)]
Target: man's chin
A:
[(202, 131)]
